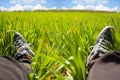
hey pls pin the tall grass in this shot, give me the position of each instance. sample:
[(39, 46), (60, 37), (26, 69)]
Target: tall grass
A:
[(60, 40)]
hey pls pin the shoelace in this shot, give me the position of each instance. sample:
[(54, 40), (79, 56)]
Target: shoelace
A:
[(102, 47), (23, 48), (19, 43)]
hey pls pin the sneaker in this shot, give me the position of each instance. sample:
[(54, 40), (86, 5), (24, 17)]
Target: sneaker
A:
[(104, 44), (23, 52)]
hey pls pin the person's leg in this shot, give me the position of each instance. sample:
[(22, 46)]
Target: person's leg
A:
[(17, 67), (24, 54), (106, 67), (103, 64), (10, 69)]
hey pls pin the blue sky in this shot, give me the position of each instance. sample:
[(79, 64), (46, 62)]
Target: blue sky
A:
[(105, 5)]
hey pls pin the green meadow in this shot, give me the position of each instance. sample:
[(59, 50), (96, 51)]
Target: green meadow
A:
[(60, 40)]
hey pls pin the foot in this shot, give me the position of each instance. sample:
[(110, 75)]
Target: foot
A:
[(104, 44), (23, 52)]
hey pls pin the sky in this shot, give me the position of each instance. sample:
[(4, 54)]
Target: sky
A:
[(101, 5)]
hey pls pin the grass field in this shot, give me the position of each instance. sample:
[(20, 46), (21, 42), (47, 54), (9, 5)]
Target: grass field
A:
[(60, 40)]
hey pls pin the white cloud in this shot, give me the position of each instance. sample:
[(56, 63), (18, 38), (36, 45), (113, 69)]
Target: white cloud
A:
[(78, 7), (64, 8), (114, 9), (99, 7), (27, 7), (3, 9), (90, 1), (53, 8), (39, 7), (17, 7), (28, 1)]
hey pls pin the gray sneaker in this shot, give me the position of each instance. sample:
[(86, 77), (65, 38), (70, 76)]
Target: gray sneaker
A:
[(104, 44), (23, 52)]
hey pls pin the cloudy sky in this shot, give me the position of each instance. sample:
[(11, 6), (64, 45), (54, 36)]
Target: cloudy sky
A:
[(104, 5)]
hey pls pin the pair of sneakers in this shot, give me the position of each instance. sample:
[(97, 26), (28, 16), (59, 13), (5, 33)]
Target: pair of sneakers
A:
[(104, 44)]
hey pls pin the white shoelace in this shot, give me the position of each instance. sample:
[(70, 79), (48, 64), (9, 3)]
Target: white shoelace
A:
[(99, 49)]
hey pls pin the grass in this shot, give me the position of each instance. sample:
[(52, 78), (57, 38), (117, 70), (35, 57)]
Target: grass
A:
[(60, 40)]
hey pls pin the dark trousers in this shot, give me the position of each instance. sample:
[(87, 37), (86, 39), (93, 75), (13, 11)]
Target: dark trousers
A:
[(106, 67), (10, 69)]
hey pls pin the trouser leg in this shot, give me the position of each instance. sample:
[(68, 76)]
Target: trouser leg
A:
[(25, 62), (26, 66), (106, 67), (10, 69)]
